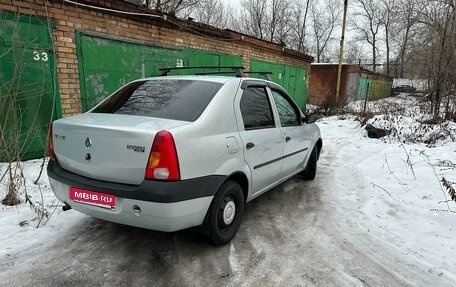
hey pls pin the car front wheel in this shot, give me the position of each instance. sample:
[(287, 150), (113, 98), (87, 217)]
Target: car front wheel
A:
[(311, 168), (225, 213)]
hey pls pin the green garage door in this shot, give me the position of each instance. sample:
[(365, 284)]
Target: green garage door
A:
[(28, 88), (364, 89), (107, 64), (104, 66), (202, 58), (292, 78), (156, 58)]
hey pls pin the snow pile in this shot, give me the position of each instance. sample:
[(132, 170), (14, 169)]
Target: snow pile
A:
[(407, 129), (407, 118)]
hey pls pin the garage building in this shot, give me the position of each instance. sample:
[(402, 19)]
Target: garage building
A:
[(356, 83), (60, 57)]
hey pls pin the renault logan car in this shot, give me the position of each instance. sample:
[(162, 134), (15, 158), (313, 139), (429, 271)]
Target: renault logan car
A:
[(169, 153)]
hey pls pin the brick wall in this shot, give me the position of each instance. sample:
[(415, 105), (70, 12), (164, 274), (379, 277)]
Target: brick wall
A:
[(171, 32), (323, 84)]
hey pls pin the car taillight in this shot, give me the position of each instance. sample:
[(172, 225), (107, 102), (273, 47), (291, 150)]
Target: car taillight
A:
[(52, 155), (163, 163)]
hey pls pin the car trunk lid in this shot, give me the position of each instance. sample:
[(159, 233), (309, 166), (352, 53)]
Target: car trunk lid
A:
[(109, 147)]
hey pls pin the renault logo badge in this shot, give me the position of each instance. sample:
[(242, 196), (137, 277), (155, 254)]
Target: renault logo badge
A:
[(88, 143)]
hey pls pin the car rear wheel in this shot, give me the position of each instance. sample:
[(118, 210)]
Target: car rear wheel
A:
[(225, 213), (311, 168)]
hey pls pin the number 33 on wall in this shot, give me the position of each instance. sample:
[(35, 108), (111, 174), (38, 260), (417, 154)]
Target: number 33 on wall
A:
[(43, 56)]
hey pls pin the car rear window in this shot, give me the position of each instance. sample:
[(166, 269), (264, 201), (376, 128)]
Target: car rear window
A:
[(183, 100)]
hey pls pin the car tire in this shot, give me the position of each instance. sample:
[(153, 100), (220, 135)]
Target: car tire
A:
[(225, 213), (311, 168)]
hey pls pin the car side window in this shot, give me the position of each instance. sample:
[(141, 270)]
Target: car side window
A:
[(288, 113), (256, 109)]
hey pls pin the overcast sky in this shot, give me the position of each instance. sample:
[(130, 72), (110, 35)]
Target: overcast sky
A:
[(233, 3)]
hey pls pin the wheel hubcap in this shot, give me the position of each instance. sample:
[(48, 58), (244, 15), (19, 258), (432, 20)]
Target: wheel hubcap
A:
[(228, 212)]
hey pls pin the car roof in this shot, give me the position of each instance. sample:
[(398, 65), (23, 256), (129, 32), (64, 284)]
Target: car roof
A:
[(218, 79)]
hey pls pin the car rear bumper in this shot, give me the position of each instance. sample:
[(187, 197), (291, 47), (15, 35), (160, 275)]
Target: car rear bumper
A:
[(151, 205)]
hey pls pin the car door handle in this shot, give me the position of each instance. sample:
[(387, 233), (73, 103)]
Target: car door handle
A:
[(287, 139), (249, 145)]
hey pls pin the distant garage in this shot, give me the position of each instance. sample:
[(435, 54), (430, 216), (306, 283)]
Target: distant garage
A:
[(356, 83)]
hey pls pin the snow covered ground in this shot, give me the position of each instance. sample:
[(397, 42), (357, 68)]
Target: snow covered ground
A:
[(393, 191), (376, 215)]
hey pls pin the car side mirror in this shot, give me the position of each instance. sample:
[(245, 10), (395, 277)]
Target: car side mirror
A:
[(310, 119)]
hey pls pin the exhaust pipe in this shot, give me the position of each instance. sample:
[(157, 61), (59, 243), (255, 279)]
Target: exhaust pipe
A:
[(66, 207)]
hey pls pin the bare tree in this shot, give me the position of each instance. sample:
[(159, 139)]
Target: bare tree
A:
[(388, 12), (170, 6), (267, 19), (279, 20), (253, 17), (367, 22), (404, 30), (324, 18), (353, 52), (299, 13), (211, 12), (439, 19)]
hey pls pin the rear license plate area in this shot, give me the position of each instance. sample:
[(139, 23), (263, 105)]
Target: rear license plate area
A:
[(90, 197)]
